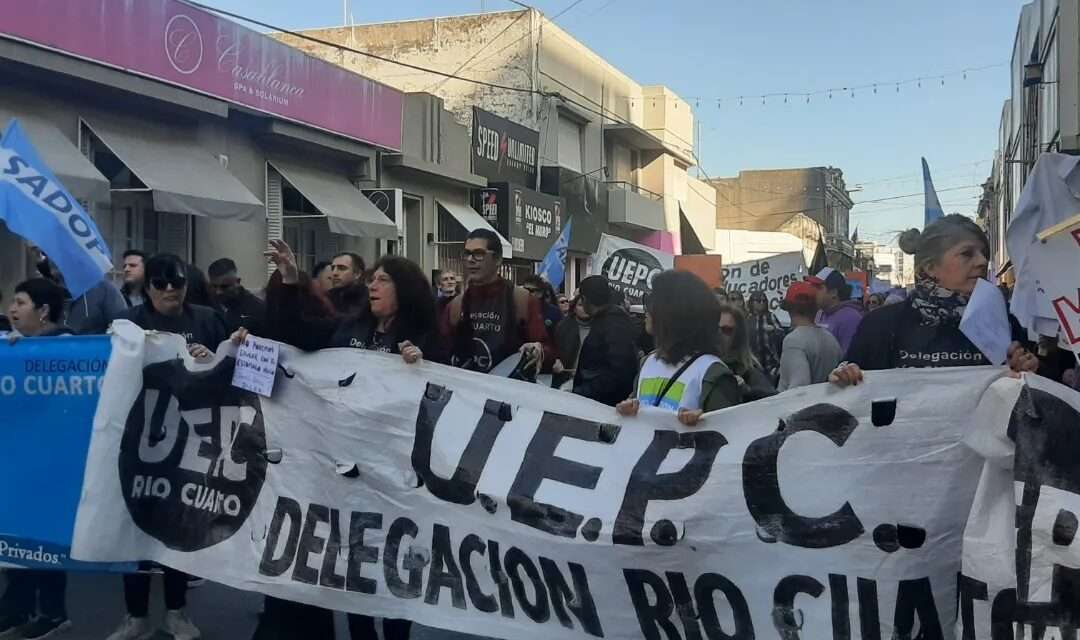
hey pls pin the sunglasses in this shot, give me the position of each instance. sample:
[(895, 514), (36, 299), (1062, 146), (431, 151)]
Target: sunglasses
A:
[(477, 255), (727, 331), (163, 283)]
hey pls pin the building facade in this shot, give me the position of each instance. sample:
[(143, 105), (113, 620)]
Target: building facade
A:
[(618, 153), (201, 149), (766, 200), (1041, 114), (886, 263)]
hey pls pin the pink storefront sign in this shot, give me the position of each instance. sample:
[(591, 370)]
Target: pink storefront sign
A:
[(176, 43)]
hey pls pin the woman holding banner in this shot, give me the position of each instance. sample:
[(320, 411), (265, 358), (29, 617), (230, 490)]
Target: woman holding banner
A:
[(685, 374), (398, 316), (951, 256), (33, 602)]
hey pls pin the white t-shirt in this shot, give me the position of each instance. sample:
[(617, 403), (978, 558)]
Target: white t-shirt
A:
[(684, 393)]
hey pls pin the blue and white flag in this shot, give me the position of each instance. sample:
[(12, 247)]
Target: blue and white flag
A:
[(34, 205), (553, 268), (933, 205)]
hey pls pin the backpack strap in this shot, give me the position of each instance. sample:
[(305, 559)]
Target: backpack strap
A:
[(671, 381)]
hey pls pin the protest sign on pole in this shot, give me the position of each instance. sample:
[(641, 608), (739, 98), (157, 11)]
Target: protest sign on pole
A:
[(628, 266), (48, 391), (486, 505), (773, 275)]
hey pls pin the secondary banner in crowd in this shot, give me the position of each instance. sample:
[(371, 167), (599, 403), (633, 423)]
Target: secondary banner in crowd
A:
[(465, 502), (772, 275), (628, 266), (48, 393)]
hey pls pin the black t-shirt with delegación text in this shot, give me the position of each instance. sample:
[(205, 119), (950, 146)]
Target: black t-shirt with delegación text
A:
[(198, 324), (893, 337)]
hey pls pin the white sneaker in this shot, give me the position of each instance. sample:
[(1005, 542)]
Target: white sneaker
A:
[(133, 629), (179, 626)]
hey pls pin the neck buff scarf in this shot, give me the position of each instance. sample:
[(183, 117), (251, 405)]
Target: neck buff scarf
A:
[(937, 305)]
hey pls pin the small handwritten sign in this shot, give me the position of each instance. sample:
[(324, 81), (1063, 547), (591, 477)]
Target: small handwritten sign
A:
[(256, 366)]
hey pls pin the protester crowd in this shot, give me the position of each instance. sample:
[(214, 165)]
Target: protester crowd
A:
[(687, 349)]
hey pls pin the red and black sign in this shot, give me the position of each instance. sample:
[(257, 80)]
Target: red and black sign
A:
[(503, 151)]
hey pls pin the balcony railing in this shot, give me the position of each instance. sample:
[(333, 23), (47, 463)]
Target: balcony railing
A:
[(627, 186)]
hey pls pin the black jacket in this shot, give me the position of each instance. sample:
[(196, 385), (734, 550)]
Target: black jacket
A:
[(607, 363), (356, 331), (350, 299), (893, 337), (247, 311), (198, 324)]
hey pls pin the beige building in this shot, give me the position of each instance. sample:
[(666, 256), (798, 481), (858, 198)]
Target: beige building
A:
[(1042, 113), (617, 151), (769, 200)]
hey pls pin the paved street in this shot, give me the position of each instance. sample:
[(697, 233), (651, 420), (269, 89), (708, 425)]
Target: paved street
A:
[(95, 604)]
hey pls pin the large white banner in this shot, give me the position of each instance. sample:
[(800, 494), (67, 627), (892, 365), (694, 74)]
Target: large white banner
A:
[(629, 266), (490, 506), (773, 275)]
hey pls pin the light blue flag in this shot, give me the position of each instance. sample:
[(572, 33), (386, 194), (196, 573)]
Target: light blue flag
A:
[(34, 205), (553, 268), (933, 205)]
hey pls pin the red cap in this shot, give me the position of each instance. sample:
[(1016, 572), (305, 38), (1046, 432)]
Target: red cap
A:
[(800, 294), (814, 280)]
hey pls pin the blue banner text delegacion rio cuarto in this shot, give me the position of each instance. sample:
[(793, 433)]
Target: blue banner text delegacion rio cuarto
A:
[(48, 394)]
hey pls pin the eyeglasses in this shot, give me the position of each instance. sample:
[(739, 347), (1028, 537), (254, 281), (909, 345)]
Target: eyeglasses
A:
[(727, 331), (476, 255), (162, 283)]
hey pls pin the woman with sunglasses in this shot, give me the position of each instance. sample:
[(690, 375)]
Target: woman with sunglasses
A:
[(167, 308), (685, 374), (735, 351)]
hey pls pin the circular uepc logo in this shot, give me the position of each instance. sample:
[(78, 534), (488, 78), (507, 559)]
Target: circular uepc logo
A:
[(631, 271), (192, 458)]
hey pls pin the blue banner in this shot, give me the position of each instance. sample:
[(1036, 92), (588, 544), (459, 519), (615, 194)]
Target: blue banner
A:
[(48, 394), (34, 205), (931, 203), (553, 267)]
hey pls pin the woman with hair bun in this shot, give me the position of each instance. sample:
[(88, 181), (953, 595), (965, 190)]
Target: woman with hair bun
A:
[(951, 255)]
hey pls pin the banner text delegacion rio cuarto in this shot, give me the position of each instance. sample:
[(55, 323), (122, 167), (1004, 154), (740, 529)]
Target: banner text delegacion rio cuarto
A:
[(479, 504)]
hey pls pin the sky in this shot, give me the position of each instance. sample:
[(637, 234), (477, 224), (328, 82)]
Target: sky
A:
[(710, 49)]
